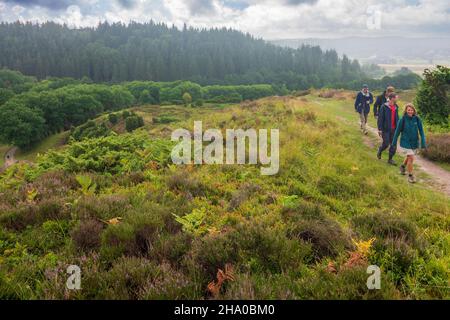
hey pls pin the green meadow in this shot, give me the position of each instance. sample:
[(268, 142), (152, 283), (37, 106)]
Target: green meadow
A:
[(140, 227)]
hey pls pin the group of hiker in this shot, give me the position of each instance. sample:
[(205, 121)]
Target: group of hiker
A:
[(390, 126)]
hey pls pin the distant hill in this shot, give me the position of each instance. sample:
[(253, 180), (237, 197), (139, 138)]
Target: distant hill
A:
[(385, 50)]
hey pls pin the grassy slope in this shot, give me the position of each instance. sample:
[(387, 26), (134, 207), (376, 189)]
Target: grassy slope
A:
[(330, 188), (51, 142), (3, 150)]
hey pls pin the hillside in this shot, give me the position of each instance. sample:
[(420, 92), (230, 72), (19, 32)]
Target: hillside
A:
[(157, 52), (407, 49), (140, 227)]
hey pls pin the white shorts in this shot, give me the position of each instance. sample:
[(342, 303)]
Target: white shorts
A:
[(411, 152)]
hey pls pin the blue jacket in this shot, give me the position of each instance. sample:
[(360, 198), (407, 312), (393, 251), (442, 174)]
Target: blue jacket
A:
[(379, 103), (410, 128), (363, 102), (385, 118)]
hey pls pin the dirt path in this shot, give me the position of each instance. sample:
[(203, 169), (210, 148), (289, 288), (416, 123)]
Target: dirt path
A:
[(440, 178), (10, 157)]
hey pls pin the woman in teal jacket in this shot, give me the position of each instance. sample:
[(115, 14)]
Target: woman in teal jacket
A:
[(410, 126)]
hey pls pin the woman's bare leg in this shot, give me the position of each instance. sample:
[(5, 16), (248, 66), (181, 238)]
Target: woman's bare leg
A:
[(410, 164)]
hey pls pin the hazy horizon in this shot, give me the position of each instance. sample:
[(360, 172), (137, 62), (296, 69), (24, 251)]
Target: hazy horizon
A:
[(267, 19)]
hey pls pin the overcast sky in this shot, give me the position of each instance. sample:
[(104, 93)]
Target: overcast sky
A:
[(270, 19)]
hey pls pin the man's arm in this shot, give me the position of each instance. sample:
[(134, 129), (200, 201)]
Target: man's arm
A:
[(397, 132), (380, 118), (357, 101)]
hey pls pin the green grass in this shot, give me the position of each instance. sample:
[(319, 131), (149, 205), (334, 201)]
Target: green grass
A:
[(445, 166), (180, 224), (51, 142), (3, 150)]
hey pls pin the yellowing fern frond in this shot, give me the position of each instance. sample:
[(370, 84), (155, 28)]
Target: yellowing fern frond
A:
[(364, 247)]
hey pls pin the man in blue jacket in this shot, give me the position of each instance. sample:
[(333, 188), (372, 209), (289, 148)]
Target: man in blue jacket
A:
[(362, 105), (387, 124), (382, 99)]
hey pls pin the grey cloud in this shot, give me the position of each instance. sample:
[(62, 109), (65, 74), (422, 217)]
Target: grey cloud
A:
[(199, 7), (49, 4), (127, 4), (298, 2)]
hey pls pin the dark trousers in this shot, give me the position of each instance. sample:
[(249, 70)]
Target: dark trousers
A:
[(387, 143)]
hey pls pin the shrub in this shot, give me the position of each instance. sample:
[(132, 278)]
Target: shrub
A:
[(198, 103), (252, 247), (90, 130), (184, 183), (29, 215), (302, 93), (328, 94), (133, 122), (51, 235), (326, 236), (55, 183), (187, 99), (117, 240), (113, 118), (130, 179), (164, 119), (171, 248), (135, 236), (396, 256), (309, 223), (125, 114), (386, 226), (303, 210), (244, 193), (87, 235), (137, 278), (104, 207), (438, 148), (352, 284), (432, 96)]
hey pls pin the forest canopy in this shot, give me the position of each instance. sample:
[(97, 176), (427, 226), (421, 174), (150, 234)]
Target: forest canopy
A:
[(156, 52)]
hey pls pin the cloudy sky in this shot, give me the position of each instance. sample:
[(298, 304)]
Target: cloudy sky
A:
[(270, 19)]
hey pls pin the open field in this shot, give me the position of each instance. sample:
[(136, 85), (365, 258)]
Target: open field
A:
[(416, 68)]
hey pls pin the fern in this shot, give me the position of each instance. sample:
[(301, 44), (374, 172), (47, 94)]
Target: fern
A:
[(289, 201), (87, 185), (193, 223)]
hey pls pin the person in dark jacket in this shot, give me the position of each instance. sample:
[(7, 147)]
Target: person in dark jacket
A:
[(382, 99), (362, 105), (409, 127), (387, 124)]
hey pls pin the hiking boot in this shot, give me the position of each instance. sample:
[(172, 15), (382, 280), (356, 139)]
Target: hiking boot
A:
[(403, 170), (411, 178), (392, 162)]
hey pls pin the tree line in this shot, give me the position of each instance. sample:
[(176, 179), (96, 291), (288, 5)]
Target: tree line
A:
[(31, 110), (156, 52)]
